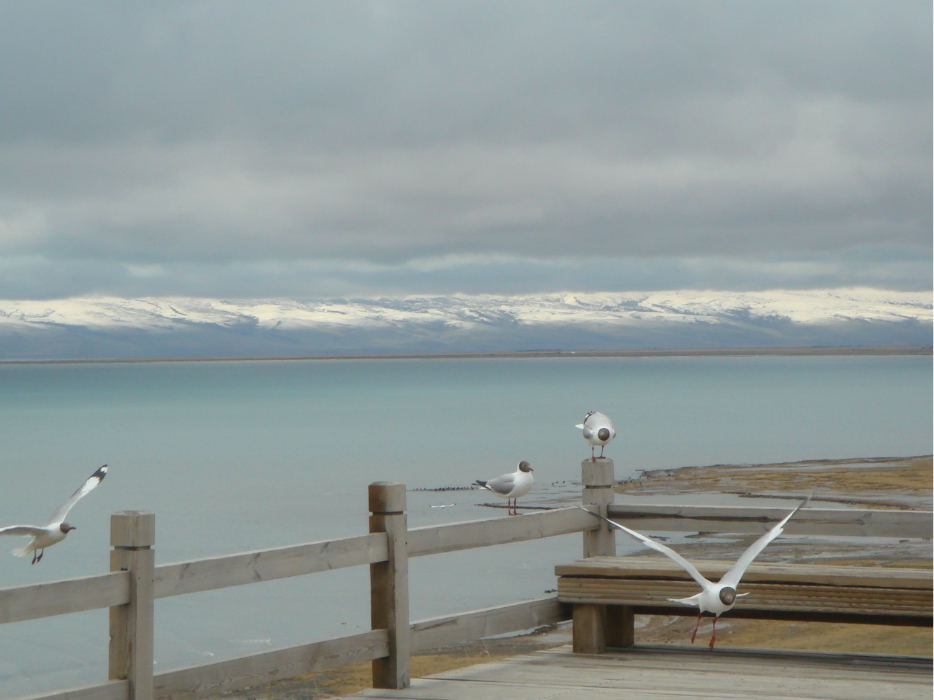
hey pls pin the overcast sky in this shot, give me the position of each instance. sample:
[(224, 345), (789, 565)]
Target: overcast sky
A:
[(329, 149)]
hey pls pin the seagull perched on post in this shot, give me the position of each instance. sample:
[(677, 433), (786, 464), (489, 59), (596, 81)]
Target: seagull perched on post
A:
[(511, 486), (56, 529), (598, 430), (715, 598)]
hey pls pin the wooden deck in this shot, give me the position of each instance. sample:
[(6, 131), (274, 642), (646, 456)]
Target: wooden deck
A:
[(656, 672)]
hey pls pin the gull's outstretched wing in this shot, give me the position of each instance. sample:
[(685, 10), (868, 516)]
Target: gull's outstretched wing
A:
[(502, 484), (658, 547), (732, 577), (97, 477), (22, 530)]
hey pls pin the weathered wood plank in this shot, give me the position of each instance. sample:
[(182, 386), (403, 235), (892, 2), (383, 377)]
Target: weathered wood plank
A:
[(651, 674), (746, 520), (72, 595), (435, 539), (108, 690), (256, 669), (762, 596), (655, 568), (488, 622), (268, 564), (662, 567)]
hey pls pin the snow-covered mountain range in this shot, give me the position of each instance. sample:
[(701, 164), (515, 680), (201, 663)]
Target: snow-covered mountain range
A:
[(107, 326)]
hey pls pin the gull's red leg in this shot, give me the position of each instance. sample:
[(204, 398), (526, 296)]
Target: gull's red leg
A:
[(713, 637), (694, 633)]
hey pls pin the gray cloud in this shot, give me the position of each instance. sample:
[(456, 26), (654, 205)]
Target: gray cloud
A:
[(228, 148), (42, 278)]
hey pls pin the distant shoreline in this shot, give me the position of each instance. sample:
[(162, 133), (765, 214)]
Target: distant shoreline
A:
[(520, 354)]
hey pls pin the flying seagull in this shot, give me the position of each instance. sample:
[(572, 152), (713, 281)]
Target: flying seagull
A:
[(56, 529), (511, 486), (715, 598), (598, 430)]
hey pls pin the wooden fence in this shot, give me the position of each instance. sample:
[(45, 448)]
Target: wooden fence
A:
[(133, 584)]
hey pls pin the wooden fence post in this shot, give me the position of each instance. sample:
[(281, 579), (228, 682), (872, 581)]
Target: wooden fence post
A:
[(596, 626), (132, 535), (598, 480), (389, 584)]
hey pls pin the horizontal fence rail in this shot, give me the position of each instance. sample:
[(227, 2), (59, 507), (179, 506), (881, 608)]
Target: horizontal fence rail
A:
[(268, 564), (72, 595), (106, 690), (829, 522), (489, 622), (438, 539), (277, 664)]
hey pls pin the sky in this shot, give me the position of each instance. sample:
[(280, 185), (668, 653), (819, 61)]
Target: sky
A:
[(364, 149)]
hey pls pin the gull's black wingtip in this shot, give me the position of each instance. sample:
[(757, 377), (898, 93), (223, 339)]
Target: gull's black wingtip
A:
[(100, 473)]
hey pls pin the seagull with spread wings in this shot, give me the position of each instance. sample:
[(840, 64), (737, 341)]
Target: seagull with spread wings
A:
[(56, 529), (716, 598)]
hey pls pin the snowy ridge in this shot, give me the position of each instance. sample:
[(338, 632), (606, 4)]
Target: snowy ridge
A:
[(823, 306)]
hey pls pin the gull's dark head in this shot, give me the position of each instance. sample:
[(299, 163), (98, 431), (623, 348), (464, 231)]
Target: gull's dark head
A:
[(524, 466), (603, 434), (727, 595), (66, 528)]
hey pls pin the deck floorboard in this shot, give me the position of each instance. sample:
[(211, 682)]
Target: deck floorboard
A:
[(671, 672)]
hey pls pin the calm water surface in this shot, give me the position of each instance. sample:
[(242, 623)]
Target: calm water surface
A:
[(233, 456)]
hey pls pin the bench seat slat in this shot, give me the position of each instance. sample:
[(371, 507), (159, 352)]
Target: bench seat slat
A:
[(793, 573), (762, 596)]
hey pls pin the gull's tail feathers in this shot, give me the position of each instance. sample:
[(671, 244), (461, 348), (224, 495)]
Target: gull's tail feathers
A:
[(23, 551)]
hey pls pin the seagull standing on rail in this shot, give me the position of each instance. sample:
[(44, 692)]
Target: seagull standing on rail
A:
[(715, 598), (56, 529), (511, 486), (598, 430)]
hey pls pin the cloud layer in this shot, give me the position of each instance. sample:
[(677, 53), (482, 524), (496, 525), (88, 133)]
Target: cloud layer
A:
[(328, 148)]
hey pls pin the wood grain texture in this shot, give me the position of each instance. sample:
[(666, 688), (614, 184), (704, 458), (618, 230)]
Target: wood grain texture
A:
[(598, 480), (256, 669), (798, 588), (676, 673), (108, 690), (389, 585), (488, 622), (39, 600), (436, 539), (589, 629), (661, 567), (742, 519), (762, 596), (268, 564), (130, 653)]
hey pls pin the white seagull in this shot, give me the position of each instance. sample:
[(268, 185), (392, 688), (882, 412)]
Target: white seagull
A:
[(511, 486), (715, 598), (598, 430), (56, 529)]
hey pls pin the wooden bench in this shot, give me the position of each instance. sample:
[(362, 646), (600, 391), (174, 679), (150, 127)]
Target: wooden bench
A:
[(606, 592)]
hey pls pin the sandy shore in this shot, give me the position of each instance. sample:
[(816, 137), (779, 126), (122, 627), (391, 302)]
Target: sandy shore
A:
[(881, 482)]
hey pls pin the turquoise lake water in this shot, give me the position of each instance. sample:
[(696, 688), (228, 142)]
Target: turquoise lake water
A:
[(233, 456)]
